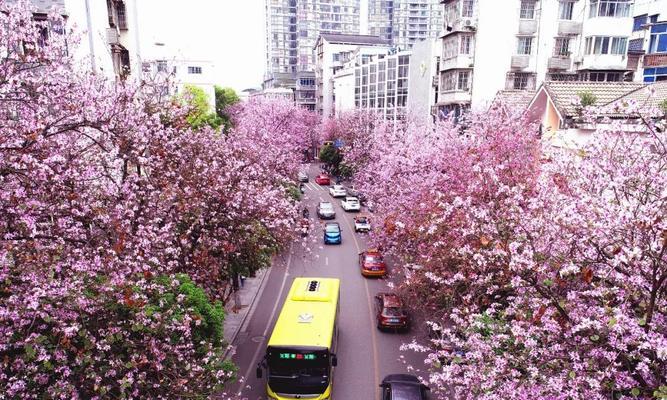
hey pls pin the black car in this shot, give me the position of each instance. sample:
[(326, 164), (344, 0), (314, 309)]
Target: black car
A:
[(403, 387)]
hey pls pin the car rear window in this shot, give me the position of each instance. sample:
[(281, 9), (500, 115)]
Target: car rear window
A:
[(373, 258), (392, 312)]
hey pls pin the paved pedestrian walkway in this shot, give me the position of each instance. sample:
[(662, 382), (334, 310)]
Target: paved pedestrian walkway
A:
[(239, 306)]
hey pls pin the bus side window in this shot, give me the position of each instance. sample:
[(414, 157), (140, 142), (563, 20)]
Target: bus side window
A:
[(387, 393)]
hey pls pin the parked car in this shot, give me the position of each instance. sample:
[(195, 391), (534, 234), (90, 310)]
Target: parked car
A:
[(323, 179), (350, 204), (403, 387), (337, 191), (325, 210), (332, 233), (303, 177), (362, 223), (371, 263), (390, 313)]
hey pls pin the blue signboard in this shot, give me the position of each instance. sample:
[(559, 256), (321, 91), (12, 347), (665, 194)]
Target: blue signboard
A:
[(338, 143)]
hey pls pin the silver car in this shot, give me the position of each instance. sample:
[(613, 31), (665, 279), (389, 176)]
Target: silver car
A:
[(325, 210)]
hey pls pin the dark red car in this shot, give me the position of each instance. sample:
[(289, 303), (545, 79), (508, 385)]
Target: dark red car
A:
[(390, 313), (323, 179), (372, 263)]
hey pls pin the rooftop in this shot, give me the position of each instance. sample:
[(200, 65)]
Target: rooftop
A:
[(649, 96), (514, 99), (340, 38), (565, 95)]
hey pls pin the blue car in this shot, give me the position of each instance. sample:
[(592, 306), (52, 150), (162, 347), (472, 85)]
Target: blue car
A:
[(332, 233)]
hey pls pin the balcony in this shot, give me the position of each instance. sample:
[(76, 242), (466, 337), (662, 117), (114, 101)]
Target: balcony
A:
[(454, 97), (559, 62), (458, 62), (520, 61), (527, 26), (655, 60), (569, 28)]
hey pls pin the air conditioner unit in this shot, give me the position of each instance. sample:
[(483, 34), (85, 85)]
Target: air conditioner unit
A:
[(468, 23), (578, 59)]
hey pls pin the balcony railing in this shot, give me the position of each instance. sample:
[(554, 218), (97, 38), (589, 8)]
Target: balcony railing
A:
[(527, 26), (567, 28), (520, 61), (655, 60), (559, 62)]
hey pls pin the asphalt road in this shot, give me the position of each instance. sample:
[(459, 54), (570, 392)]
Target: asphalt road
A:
[(365, 355)]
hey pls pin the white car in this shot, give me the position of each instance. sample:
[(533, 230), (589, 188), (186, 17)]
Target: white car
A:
[(337, 191), (362, 224), (350, 204)]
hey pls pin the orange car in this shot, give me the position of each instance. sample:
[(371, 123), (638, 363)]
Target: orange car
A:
[(372, 263)]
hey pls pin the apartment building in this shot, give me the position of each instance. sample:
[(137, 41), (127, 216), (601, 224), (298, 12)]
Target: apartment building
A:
[(404, 22), (647, 50), (332, 52), (490, 46), (292, 28), (108, 35), (199, 73)]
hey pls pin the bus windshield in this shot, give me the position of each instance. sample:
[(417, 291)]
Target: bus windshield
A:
[(298, 371)]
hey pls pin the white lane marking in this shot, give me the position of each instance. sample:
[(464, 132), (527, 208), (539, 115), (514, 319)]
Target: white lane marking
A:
[(326, 260), (372, 321), (311, 186), (321, 199), (269, 321)]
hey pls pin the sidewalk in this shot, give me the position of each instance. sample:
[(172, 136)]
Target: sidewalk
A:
[(237, 309)]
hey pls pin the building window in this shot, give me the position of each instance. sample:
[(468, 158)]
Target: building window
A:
[(609, 8), (161, 66), (194, 70), (606, 45), (466, 41), (525, 44), (603, 76), (655, 74), (521, 81), (467, 8), (449, 48), (565, 10), (527, 9), (639, 22), (658, 42), (562, 47), (464, 80)]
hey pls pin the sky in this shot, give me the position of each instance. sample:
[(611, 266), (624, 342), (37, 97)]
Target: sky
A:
[(230, 33)]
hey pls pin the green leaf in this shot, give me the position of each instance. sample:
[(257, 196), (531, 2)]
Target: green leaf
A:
[(612, 322), (635, 392), (572, 374), (548, 282), (642, 321), (30, 351), (594, 338)]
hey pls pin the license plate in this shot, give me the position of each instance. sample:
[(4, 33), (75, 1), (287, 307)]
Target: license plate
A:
[(393, 320)]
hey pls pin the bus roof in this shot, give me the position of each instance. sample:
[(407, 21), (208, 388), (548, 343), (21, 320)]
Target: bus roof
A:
[(308, 315)]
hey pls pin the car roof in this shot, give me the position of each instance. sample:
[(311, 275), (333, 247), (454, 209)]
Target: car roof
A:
[(391, 300)]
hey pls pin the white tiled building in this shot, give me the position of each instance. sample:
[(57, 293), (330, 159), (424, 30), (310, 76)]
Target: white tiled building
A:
[(491, 45)]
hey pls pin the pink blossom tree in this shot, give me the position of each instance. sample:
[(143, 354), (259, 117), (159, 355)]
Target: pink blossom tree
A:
[(543, 270), (120, 227)]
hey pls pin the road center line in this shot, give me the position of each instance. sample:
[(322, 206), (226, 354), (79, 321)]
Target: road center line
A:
[(370, 316), (326, 260), (268, 323)]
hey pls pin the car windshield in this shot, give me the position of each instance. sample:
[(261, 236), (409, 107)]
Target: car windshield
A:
[(352, 200), (405, 392), (326, 206), (392, 312), (332, 228), (362, 220)]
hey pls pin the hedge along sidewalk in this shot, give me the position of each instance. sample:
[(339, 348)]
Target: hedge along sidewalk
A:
[(240, 306)]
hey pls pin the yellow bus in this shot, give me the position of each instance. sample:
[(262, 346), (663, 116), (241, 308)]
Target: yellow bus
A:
[(300, 355)]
